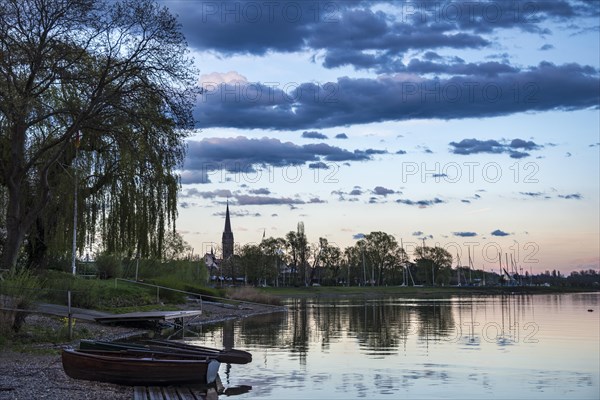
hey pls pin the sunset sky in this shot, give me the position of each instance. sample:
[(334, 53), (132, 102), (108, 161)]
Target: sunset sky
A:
[(471, 124)]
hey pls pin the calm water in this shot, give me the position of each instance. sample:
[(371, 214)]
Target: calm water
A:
[(505, 347)]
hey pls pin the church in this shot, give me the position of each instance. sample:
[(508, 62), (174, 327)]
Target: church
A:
[(214, 264)]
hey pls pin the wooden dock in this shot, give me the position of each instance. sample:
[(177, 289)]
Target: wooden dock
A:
[(149, 316), (173, 393), (179, 392)]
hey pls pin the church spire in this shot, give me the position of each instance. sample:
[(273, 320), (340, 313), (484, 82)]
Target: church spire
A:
[(227, 221), (227, 238)]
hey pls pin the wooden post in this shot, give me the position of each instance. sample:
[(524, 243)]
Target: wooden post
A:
[(157, 296), (70, 319)]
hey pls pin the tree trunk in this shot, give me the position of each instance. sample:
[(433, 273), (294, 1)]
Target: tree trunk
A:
[(14, 237)]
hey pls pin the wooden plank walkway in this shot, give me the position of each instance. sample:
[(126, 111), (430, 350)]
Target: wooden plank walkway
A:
[(172, 393), (149, 316), (178, 392)]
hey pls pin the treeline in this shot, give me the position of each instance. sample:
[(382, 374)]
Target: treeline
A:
[(376, 259)]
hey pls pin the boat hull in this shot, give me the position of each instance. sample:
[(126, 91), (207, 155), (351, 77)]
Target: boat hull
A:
[(145, 371), (231, 356)]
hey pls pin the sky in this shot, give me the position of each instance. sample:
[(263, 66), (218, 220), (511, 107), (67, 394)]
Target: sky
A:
[(471, 125)]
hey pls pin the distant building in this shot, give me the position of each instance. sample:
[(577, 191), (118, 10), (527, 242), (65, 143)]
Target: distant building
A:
[(227, 238), (213, 264)]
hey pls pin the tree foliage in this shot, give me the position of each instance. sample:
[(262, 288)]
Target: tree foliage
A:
[(92, 93)]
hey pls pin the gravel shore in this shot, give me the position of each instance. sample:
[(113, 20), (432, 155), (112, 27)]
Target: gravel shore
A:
[(37, 372)]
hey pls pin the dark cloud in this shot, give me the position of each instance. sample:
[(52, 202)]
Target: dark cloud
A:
[(208, 194), (420, 203), (572, 196), (242, 154), (417, 233), (199, 176), (465, 201), (246, 200), (498, 232), (382, 191), (318, 165), (314, 135), (474, 146), (546, 47), (394, 98), (401, 152), (594, 145), (358, 236), (524, 144), (355, 192), (464, 234), (262, 191), (459, 67), (532, 194), (352, 33), (341, 136), (374, 151)]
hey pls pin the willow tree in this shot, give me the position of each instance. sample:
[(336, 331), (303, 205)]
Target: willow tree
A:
[(95, 94)]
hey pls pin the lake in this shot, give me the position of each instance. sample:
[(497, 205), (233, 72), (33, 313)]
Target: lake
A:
[(475, 347)]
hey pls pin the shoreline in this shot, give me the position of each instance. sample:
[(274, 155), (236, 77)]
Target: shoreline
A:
[(417, 291), (34, 370)]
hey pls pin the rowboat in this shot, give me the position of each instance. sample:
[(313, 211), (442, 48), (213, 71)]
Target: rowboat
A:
[(138, 368), (231, 356)]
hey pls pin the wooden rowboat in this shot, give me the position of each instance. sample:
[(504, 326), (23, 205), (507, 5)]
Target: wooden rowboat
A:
[(231, 356), (130, 368)]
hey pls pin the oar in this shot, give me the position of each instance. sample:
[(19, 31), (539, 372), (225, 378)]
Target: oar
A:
[(232, 356)]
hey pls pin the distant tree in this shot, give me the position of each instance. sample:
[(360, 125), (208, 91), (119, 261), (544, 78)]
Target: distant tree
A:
[(250, 262), (330, 259), (434, 264), (271, 258), (381, 250), (95, 91), (297, 245), (175, 247)]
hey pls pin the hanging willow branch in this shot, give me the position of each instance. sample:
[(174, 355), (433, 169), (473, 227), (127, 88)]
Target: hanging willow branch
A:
[(115, 73)]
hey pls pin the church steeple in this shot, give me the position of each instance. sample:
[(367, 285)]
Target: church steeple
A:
[(227, 238)]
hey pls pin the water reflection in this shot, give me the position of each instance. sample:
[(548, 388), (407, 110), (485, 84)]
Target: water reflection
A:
[(420, 348)]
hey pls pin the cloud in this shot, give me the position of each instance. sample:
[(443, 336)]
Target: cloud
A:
[(318, 165), (420, 203), (417, 233), (341, 136), (355, 192), (395, 98), (382, 191), (242, 154), (546, 47), (474, 146), (572, 196), (260, 191), (532, 194), (401, 152), (358, 236), (218, 78), (208, 194), (238, 213), (246, 200), (364, 35), (314, 135), (198, 176), (464, 234), (498, 232)]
